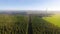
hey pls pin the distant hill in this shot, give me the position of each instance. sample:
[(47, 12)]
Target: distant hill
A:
[(14, 12)]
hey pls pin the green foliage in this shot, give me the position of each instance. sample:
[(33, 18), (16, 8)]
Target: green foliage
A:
[(13, 24), (41, 26), (18, 24)]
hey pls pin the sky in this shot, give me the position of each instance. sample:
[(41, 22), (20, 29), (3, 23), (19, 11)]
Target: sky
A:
[(29, 4)]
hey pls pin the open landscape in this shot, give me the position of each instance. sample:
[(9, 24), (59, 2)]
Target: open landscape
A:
[(23, 22), (29, 16)]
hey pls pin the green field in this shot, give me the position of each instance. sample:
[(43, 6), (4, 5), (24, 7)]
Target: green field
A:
[(13, 24), (55, 19), (42, 26), (19, 24)]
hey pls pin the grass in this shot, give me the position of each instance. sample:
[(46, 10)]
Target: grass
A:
[(41, 26), (13, 24), (54, 19), (18, 24)]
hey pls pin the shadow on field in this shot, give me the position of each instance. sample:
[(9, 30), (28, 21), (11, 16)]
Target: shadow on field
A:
[(30, 31)]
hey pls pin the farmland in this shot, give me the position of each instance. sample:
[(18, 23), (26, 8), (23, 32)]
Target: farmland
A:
[(13, 24), (42, 26), (29, 24), (54, 19)]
